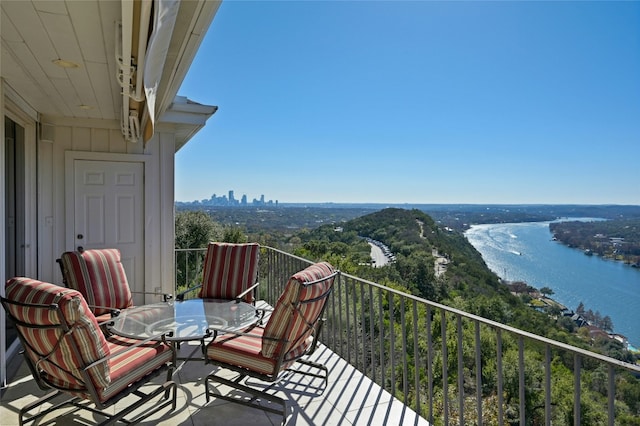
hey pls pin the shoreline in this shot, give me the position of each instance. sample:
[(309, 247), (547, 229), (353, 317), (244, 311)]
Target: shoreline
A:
[(572, 276), (566, 312)]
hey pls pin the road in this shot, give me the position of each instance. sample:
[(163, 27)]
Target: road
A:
[(378, 256)]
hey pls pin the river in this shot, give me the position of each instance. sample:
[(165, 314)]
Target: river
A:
[(526, 252)]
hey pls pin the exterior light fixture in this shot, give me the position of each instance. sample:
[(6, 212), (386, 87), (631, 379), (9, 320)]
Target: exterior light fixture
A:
[(65, 64)]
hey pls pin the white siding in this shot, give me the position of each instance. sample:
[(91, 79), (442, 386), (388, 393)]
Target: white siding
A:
[(97, 136)]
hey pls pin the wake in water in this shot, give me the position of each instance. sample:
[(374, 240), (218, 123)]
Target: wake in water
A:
[(501, 240), (532, 257)]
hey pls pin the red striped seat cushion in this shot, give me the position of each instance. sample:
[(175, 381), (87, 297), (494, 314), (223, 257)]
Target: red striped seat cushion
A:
[(291, 324), (100, 277), (245, 351), (128, 367), (229, 269), (61, 368)]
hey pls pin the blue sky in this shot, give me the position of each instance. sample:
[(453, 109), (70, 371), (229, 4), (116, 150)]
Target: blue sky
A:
[(418, 102)]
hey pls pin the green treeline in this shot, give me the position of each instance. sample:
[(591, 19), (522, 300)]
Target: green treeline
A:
[(417, 241), (613, 239)]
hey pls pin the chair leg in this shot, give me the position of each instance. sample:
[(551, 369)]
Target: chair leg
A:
[(313, 364), (256, 395), (166, 387), (79, 403), (46, 398)]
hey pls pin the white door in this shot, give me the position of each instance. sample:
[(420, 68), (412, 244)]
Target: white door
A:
[(109, 212)]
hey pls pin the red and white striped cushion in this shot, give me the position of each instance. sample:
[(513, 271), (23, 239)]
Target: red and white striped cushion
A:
[(61, 368), (256, 350), (100, 277), (229, 269), (291, 324), (241, 350), (132, 365), (245, 351)]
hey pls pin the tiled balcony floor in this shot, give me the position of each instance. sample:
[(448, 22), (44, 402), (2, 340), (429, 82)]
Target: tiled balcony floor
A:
[(349, 399)]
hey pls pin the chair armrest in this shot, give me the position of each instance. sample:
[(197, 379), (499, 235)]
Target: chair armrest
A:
[(180, 296), (113, 311), (223, 331), (165, 296), (247, 291), (108, 322), (261, 312), (156, 339)]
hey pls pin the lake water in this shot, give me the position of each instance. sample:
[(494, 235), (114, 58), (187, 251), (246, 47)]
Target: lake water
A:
[(526, 252)]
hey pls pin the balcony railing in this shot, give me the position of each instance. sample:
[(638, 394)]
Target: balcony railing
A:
[(450, 366)]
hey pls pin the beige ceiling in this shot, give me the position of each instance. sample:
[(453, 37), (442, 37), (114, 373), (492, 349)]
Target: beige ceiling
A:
[(36, 33)]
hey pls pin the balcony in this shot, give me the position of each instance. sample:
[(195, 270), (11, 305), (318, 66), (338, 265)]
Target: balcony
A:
[(387, 368)]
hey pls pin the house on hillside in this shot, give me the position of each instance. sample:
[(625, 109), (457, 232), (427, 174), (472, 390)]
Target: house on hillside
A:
[(596, 333), (579, 320), (620, 338), (92, 123)]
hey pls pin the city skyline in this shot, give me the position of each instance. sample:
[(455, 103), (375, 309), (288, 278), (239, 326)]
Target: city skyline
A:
[(418, 102), (230, 200)]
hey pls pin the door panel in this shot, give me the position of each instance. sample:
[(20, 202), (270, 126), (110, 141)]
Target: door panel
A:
[(109, 212)]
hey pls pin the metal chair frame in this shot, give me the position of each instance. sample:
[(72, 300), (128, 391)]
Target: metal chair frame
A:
[(279, 372), (69, 398)]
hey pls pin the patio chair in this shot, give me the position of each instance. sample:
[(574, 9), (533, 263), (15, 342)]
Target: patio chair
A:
[(100, 277), (268, 352), (230, 272), (70, 357)]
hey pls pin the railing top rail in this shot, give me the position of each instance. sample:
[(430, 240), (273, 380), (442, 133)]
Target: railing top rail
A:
[(302, 259), (494, 324), (190, 249)]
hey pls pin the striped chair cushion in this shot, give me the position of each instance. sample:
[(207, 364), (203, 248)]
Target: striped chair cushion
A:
[(132, 365), (229, 269), (61, 368), (100, 277), (245, 351), (290, 323)]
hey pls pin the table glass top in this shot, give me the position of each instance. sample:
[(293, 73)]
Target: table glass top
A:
[(188, 320)]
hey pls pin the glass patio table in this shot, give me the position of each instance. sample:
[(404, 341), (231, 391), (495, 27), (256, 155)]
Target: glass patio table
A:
[(192, 319)]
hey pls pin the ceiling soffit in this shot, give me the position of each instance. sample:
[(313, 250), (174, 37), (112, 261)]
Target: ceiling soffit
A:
[(105, 40)]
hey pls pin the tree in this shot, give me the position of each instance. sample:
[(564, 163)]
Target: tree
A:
[(580, 308), (607, 323), (546, 291), (234, 235), (193, 229)]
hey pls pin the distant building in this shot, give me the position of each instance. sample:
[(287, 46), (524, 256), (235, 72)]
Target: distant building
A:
[(229, 201)]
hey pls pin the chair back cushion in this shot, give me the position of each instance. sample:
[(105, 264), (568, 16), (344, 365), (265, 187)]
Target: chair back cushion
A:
[(229, 269), (49, 349), (297, 311), (100, 277)]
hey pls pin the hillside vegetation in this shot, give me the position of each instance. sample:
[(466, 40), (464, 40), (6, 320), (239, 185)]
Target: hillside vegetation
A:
[(417, 241), (414, 237)]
